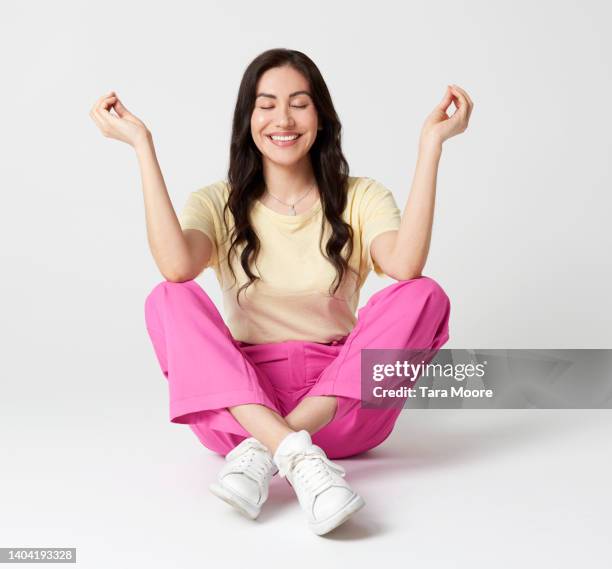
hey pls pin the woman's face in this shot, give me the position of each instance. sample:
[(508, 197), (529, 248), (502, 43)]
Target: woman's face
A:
[(284, 108)]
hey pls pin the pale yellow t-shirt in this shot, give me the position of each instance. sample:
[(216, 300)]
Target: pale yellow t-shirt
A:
[(291, 301)]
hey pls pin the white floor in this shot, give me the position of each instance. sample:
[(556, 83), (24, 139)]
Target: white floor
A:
[(449, 488)]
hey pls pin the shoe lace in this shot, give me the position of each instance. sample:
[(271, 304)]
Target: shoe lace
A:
[(256, 470), (312, 468)]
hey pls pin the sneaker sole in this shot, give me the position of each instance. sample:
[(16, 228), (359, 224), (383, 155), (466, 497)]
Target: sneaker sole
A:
[(238, 502), (325, 526)]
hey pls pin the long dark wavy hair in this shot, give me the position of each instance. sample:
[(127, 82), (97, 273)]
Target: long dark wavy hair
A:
[(245, 174)]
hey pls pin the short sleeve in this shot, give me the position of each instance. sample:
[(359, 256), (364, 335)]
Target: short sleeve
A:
[(379, 213), (199, 213)]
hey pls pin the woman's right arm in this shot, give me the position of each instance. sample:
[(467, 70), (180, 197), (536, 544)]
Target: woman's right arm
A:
[(179, 254)]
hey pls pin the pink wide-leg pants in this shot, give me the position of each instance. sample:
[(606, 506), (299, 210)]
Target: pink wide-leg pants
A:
[(208, 370)]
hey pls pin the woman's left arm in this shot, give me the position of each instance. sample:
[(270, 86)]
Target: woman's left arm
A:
[(402, 254)]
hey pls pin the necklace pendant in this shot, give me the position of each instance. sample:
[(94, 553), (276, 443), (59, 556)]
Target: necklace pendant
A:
[(293, 212)]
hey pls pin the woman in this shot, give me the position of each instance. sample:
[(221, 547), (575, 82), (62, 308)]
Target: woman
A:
[(291, 237)]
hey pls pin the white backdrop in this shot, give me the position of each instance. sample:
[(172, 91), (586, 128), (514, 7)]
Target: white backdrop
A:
[(521, 240), (521, 237)]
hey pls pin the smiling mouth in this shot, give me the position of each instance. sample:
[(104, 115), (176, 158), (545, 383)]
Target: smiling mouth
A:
[(288, 138)]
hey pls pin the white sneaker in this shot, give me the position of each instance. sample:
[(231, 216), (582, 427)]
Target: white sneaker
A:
[(321, 490), (244, 479)]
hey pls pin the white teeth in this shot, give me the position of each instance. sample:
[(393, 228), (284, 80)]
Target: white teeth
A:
[(293, 137)]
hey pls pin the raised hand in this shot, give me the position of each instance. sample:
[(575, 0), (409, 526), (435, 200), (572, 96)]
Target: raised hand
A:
[(123, 126), (438, 126)]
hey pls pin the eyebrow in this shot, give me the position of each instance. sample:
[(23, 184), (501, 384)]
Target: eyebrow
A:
[(295, 94)]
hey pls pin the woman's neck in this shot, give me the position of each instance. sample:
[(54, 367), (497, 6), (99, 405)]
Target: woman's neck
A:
[(288, 183)]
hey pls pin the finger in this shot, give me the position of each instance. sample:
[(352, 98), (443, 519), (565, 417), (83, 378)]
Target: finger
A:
[(463, 104), (95, 119), (107, 103), (99, 105), (468, 98), (121, 110), (464, 110), (100, 118), (470, 102), (107, 121), (103, 97), (446, 100), (459, 95), (465, 94), (106, 117), (96, 115)]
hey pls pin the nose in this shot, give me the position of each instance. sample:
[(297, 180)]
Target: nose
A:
[(285, 119)]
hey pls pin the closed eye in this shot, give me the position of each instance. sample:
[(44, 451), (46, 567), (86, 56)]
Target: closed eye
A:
[(295, 106)]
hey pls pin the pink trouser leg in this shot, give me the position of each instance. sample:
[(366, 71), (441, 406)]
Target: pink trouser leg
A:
[(208, 370), (411, 314), (205, 367)]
